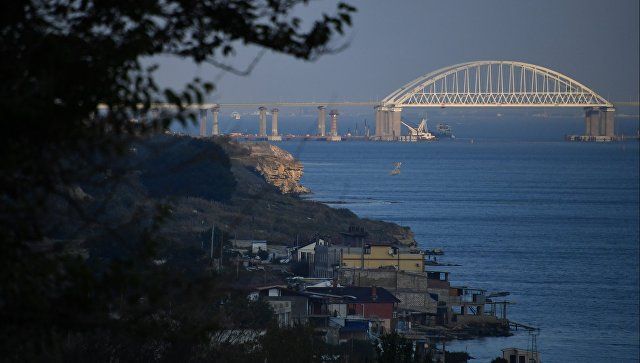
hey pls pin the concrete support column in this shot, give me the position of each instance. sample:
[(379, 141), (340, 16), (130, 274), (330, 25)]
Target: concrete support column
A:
[(587, 122), (333, 135), (609, 121), (395, 123), (262, 132), (382, 123), (599, 121), (203, 122), (275, 136), (215, 130), (321, 121), (591, 121), (334, 122), (594, 127), (378, 112), (385, 123), (274, 122)]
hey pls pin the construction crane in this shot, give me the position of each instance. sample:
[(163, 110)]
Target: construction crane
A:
[(420, 133)]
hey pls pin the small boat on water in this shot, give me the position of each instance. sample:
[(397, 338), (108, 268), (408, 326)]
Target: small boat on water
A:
[(396, 169), (444, 131)]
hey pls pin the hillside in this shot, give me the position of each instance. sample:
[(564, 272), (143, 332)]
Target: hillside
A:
[(176, 188), (264, 203)]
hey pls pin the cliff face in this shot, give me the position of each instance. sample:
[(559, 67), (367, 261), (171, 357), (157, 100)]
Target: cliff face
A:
[(278, 167)]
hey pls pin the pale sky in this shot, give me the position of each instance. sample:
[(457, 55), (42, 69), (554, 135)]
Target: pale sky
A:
[(393, 42)]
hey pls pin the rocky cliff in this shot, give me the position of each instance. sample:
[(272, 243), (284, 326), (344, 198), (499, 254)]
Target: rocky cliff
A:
[(278, 167)]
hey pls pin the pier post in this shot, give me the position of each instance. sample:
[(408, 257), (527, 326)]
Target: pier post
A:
[(321, 121), (203, 122), (274, 126), (599, 121), (262, 131), (609, 121), (395, 123), (383, 123), (215, 129), (378, 131), (333, 136)]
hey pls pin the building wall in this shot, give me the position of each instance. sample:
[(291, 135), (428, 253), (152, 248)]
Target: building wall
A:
[(298, 311), (411, 288), (379, 256), (389, 279), (379, 311), (282, 311), (326, 257)]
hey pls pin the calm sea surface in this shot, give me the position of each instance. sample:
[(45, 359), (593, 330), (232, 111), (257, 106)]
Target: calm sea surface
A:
[(554, 223)]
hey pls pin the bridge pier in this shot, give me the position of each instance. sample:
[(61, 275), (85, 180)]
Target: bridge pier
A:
[(599, 121), (388, 123), (274, 126), (378, 131), (203, 122), (215, 128), (321, 121), (333, 136), (262, 130), (395, 123)]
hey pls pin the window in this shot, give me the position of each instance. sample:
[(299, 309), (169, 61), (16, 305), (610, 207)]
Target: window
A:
[(351, 309), (521, 359)]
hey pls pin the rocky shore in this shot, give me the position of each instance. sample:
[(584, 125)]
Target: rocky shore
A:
[(278, 167)]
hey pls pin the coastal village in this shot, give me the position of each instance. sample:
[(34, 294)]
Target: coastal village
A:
[(354, 286)]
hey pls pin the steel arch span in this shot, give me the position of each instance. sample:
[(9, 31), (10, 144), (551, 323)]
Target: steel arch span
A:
[(494, 83)]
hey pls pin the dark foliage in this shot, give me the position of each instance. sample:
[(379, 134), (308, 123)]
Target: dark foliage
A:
[(72, 79), (291, 345), (185, 167), (394, 348), (456, 357), (499, 360)]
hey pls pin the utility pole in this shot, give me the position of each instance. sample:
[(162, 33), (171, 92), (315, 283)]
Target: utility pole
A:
[(221, 245), (213, 231)]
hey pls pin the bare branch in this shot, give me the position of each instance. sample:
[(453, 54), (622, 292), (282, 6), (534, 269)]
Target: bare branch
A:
[(237, 72)]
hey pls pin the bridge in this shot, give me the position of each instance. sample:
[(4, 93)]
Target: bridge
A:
[(471, 84), (494, 84)]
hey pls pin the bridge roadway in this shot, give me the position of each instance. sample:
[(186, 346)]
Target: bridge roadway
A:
[(489, 84)]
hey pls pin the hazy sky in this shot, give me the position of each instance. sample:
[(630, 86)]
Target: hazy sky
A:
[(393, 42)]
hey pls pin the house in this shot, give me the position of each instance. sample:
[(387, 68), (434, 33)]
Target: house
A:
[(355, 236), (326, 259), (384, 255), (290, 307), (517, 355), (306, 253), (375, 304), (417, 304), (257, 246), (249, 245)]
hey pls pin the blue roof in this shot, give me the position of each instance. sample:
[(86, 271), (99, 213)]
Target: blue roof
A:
[(355, 326)]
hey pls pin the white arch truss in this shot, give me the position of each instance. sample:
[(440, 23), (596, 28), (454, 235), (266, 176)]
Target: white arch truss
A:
[(494, 83)]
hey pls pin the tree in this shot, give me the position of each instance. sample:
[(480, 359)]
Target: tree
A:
[(457, 357), (499, 360), (61, 60), (394, 348), (291, 344)]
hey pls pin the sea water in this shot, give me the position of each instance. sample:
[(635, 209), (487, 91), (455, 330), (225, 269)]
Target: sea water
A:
[(553, 223)]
